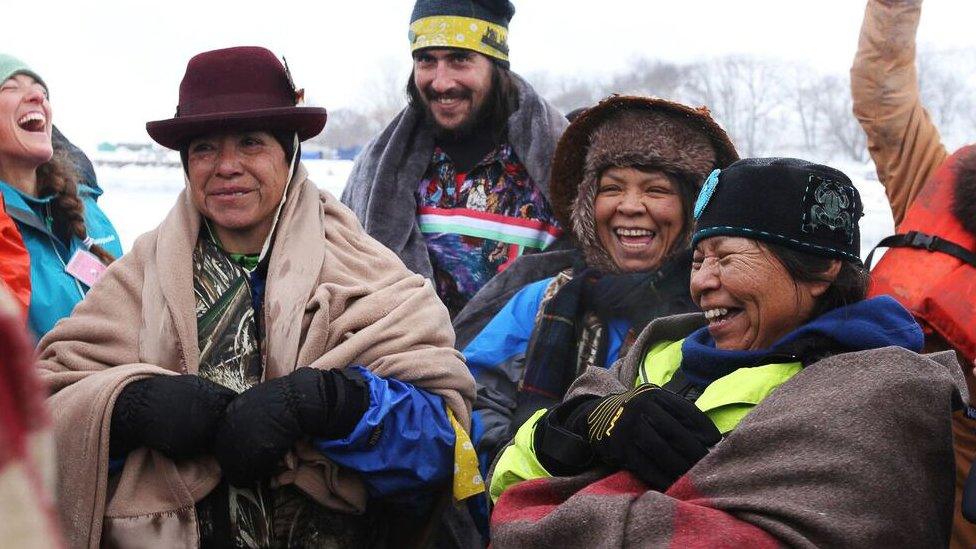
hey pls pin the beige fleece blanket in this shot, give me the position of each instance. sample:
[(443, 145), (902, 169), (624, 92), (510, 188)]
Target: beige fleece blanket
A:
[(334, 297)]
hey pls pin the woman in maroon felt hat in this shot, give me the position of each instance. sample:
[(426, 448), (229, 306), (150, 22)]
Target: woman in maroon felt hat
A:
[(257, 371)]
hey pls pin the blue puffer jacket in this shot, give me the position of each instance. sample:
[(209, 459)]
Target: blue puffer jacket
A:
[(54, 292)]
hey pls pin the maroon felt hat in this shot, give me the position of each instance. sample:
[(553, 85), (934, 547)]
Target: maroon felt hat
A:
[(242, 88)]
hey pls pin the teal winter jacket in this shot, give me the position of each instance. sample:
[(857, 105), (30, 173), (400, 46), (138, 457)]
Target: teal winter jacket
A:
[(54, 292)]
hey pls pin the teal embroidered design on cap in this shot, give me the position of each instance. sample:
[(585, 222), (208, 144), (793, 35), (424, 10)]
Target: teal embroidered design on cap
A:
[(708, 189)]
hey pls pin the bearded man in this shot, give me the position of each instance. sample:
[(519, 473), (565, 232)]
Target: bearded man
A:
[(457, 184)]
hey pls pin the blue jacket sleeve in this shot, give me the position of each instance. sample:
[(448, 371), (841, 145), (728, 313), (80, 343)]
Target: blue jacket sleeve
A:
[(507, 334), (496, 357), (403, 443)]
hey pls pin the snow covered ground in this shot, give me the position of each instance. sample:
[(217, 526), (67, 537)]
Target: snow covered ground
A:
[(137, 198)]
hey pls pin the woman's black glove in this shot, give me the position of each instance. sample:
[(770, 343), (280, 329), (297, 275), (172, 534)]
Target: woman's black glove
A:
[(175, 415), (652, 432), (263, 423)]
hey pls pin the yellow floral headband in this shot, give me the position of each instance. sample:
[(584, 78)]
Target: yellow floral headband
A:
[(450, 31)]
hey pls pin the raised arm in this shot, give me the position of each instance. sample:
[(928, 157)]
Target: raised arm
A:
[(904, 143)]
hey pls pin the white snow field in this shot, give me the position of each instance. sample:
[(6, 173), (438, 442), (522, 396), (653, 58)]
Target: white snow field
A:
[(137, 199)]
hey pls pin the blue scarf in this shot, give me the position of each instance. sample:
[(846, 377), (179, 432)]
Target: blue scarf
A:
[(869, 324)]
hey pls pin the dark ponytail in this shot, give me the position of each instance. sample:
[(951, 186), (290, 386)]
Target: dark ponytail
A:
[(58, 177)]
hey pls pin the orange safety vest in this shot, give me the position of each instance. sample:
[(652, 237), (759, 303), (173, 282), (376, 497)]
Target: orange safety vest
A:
[(14, 261), (939, 288)]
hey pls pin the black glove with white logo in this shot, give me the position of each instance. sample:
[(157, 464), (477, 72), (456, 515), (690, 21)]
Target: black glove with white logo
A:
[(654, 433)]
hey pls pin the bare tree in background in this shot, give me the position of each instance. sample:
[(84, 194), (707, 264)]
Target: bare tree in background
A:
[(642, 77), (946, 94), (346, 129), (843, 135), (807, 97), (384, 96), (385, 93), (767, 106), (746, 96), (651, 77), (567, 93)]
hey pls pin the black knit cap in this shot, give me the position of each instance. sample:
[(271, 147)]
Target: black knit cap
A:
[(478, 25), (808, 207), (499, 12)]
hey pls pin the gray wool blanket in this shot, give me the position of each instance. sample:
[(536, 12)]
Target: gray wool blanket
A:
[(854, 451), (381, 188)]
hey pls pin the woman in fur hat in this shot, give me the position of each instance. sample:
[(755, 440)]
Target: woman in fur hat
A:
[(625, 175)]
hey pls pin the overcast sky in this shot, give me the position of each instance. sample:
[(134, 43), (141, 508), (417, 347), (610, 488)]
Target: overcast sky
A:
[(112, 65)]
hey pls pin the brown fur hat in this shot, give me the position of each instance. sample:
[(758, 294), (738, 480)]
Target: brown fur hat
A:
[(631, 131)]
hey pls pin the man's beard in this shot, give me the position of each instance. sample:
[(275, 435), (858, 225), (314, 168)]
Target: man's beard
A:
[(476, 121)]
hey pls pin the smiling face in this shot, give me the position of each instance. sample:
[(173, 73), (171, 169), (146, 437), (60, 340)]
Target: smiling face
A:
[(237, 180), (748, 296), (453, 84), (25, 122), (638, 217)]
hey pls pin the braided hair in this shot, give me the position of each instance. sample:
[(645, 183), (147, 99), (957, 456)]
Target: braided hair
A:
[(58, 177)]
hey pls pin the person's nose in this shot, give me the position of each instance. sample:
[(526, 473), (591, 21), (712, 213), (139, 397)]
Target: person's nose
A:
[(444, 80), (630, 204), (228, 162), (705, 278), (35, 94)]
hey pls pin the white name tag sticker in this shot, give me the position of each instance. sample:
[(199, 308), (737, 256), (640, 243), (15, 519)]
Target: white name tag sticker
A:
[(85, 267)]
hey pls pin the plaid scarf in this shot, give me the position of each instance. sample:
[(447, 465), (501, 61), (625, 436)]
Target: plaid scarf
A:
[(571, 332)]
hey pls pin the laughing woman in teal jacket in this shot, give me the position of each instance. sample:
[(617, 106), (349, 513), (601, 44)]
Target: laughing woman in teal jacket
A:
[(69, 239)]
